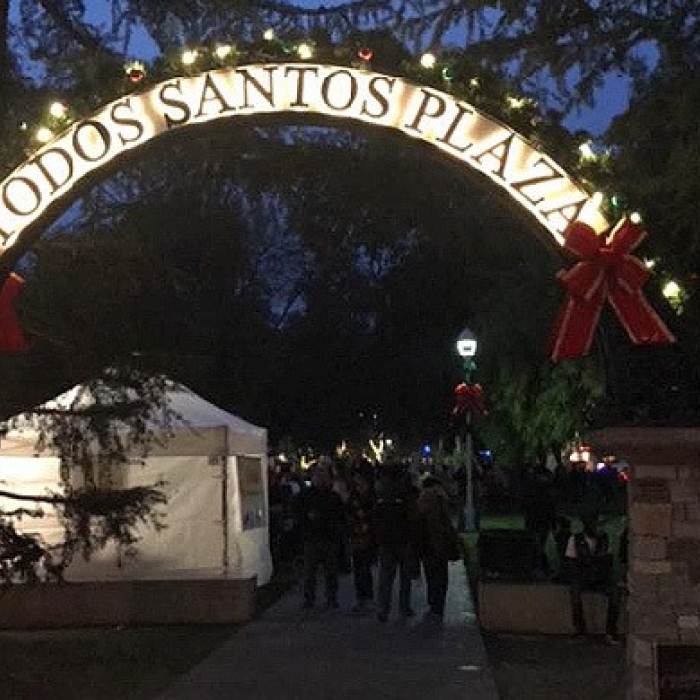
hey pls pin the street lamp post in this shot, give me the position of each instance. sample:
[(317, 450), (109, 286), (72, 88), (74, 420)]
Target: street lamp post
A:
[(466, 349)]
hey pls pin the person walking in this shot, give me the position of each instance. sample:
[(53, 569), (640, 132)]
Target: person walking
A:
[(439, 543), (362, 542), (395, 518), (342, 486), (322, 520)]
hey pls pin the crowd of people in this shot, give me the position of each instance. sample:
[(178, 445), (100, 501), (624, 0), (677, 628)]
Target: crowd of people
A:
[(378, 522), (375, 522)]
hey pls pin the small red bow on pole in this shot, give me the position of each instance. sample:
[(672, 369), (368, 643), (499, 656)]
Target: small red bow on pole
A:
[(12, 338), (606, 270), (469, 397)]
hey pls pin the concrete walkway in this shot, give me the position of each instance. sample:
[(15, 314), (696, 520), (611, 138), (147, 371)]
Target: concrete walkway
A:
[(336, 654)]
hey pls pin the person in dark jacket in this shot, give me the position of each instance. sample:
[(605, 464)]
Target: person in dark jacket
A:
[(591, 568), (562, 535), (438, 542), (322, 520), (362, 543), (540, 509), (395, 518)]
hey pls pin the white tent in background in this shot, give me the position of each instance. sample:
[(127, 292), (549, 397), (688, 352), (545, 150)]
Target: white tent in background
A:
[(215, 471)]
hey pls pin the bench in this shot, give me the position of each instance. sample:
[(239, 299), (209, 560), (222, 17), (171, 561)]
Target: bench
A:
[(538, 608)]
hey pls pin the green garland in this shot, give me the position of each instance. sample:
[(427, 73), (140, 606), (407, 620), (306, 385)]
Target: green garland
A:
[(106, 78)]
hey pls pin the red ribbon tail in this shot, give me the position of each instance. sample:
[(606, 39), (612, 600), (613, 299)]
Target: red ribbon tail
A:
[(12, 338), (572, 334), (642, 323)]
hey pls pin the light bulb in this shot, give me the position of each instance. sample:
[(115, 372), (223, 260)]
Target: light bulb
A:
[(587, 153), (516, 102), (636, 217), (44, 134), (269, 34), (58, 110), (428, 60), (189, 57), (305, 51), (671, 290), (223, 51)]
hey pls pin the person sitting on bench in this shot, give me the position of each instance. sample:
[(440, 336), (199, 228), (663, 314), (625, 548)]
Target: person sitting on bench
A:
[(590, 565)]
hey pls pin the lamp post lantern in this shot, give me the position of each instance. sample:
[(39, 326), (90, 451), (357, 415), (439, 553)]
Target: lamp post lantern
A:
[(466, 349), (466, 344)]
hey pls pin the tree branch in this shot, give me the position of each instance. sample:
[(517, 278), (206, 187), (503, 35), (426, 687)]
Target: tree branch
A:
[(357, 6), (76, 31), (55, 500)]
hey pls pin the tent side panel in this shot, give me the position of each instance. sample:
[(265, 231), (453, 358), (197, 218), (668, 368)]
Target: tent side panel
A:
[(249, 540), (192, 442), (36, 476), (211, 442), (190, 544)]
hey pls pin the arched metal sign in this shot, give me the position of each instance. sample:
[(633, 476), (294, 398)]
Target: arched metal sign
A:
[(530, 177)]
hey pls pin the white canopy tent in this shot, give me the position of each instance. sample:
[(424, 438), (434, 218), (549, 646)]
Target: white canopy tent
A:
[(214, 467)]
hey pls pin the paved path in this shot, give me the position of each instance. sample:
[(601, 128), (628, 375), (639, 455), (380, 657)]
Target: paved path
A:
[(321, 654)]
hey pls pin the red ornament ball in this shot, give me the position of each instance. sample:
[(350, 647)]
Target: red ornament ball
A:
[(135, 75), (365, 54)]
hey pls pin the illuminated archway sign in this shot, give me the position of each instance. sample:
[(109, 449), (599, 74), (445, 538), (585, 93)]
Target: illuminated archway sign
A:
[(457, 128)]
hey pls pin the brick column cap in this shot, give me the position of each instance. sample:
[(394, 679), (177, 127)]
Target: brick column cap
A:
[(659, 446)]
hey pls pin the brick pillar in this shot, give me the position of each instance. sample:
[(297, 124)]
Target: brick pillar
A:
[(664, 556)]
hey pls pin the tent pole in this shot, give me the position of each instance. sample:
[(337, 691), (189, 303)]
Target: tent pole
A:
[(224, 500)]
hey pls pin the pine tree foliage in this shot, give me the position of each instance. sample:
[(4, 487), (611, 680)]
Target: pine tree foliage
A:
[(534, 414), (101, 429)]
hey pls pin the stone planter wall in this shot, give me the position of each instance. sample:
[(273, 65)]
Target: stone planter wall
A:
[(664, 558)]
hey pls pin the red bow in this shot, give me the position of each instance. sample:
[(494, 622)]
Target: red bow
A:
[(11, 336), (469, 397), (606, 270)]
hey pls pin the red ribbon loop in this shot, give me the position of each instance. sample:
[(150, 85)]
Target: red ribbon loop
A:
[(469, 397), (606, 270)]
